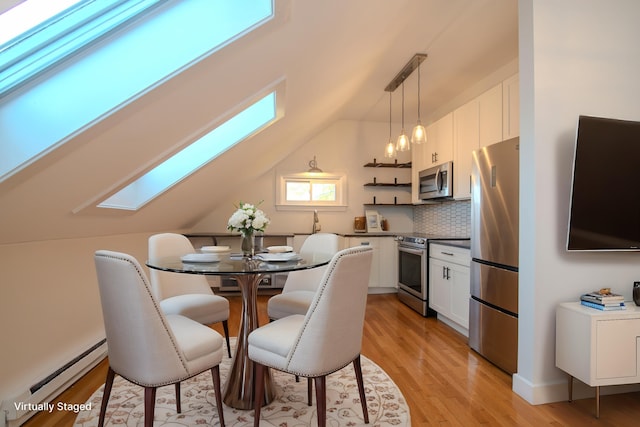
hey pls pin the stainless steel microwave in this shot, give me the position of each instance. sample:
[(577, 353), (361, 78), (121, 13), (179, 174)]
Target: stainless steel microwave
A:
[(436, 182)]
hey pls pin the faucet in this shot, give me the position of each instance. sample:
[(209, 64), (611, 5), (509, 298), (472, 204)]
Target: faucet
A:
[(316, 223)]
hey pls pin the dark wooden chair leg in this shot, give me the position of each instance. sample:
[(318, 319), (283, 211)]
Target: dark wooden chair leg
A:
[(357, 366), (225, 326), (105, 395), (321, 400), (149, 405), (215, 373), (258, 393), (309, 390), (178, 405)]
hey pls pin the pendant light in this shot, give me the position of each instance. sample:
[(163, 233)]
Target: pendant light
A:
[(419, 134), (403, 141), (390, 149)]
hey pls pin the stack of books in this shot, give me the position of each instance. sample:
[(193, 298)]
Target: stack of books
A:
[(603, 302)]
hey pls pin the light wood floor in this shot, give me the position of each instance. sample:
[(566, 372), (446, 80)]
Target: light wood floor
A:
[(444, 382)]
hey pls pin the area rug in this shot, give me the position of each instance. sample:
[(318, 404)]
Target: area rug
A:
[(386, 404)]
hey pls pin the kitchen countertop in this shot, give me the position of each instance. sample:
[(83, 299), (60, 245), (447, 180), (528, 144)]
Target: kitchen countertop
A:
[(373, 234), (464, 244)]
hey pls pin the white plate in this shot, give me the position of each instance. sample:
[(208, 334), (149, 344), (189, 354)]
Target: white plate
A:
[(200, 258), (279, 257), (215, 249), (279, 249)]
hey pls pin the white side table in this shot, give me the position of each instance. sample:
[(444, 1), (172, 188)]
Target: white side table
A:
[(599, 348)]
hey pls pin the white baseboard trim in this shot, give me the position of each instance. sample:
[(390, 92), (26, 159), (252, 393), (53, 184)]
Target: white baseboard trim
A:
[(559, 391)]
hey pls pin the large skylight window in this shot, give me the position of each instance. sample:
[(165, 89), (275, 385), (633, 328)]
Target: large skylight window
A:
[(37, 34), (29, 14), (193, 157), (51, 109)]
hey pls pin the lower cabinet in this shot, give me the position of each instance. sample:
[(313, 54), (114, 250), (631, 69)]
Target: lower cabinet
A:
[(384, 266), (449, 285)]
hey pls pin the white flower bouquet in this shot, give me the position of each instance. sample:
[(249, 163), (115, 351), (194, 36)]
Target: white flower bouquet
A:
[(248, 219)]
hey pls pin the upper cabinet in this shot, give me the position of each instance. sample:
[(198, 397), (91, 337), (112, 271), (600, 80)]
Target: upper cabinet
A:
[(491, 117), (511, 107), (487, 119), (439, 145), (465, 139)]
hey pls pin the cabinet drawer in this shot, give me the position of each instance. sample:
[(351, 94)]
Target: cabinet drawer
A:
[(460, 256)]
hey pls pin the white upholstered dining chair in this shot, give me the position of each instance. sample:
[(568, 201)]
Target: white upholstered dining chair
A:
[(146, 347), (300, 286), (189, 295), (326, 339)]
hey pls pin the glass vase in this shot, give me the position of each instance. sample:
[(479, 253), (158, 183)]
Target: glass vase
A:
[(247, 245)]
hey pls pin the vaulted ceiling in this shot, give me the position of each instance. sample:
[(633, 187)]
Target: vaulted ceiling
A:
[(336, 58)]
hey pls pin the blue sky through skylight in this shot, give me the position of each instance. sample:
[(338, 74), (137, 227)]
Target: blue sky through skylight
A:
[(28, 14), (47, 112), (196, 155)]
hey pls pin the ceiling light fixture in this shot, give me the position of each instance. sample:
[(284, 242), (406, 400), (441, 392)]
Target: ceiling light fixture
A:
[(403, 142), (419, 134), (390, 149), (313, 166)]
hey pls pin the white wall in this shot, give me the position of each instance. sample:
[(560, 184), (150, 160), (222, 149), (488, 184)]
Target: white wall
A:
[(343, 147), (576, 57), (49, 305)]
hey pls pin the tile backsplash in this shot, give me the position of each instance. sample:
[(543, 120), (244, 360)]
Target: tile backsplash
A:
[(447, 218)]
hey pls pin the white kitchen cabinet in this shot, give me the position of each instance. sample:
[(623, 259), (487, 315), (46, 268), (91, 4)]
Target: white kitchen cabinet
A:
[(599, 348), (511, 107), (449, 285), (384, 265), (439, 145), (476, 124), (490, 116), (465, 140), (418, 163)]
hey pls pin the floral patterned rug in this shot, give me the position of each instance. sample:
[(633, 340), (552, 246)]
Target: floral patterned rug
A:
[(386, 404)]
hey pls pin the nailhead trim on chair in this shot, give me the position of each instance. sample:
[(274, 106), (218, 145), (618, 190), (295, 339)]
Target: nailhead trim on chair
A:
[(164, 325), (315, 304)]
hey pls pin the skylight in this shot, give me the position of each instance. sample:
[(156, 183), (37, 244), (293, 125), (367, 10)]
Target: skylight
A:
[(51, 109), (193, 157), (29, 14)]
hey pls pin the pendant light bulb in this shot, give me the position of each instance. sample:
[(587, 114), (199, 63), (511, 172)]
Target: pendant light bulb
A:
[(403, 142), (390, 148), (419, 134)]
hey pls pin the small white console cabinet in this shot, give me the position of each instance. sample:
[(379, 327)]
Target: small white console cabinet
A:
[(599, 348)]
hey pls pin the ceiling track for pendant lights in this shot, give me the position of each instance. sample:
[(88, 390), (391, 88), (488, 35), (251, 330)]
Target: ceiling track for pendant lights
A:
[(411, 66)]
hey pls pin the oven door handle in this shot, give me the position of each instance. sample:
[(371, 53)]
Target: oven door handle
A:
[(411, 250)]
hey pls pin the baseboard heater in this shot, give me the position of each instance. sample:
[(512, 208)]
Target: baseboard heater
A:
[(17, 410)]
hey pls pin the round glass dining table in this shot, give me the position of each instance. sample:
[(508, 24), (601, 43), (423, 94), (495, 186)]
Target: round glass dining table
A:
[(248, 272)]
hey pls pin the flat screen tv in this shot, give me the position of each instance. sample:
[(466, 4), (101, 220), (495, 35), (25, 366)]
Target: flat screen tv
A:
[(605, 195)]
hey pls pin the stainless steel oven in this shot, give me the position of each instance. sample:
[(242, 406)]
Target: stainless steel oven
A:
[(413, 273)]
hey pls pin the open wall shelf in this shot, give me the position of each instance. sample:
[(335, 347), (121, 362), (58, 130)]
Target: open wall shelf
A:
[(375, 164)]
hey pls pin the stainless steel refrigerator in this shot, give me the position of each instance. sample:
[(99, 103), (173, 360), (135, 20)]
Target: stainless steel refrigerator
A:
[(493, 307)]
